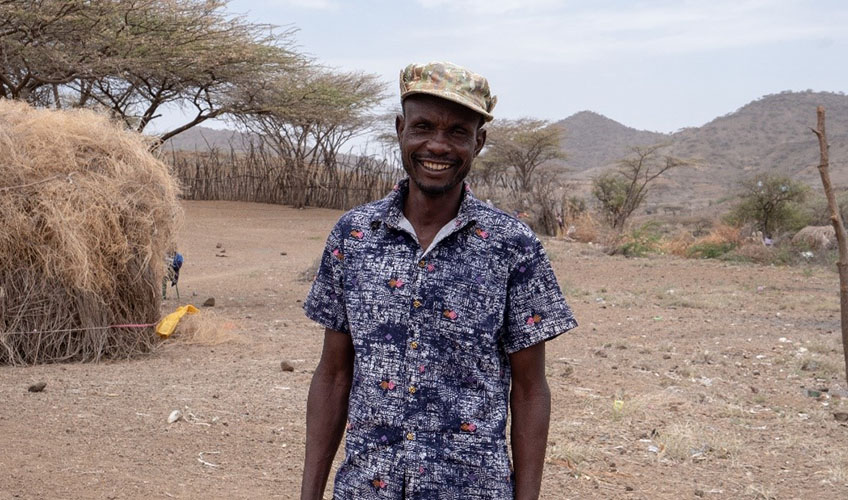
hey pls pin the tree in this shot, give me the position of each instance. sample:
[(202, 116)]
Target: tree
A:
[(136, 57), (622, 191), (771, 203), (48, 43), (523, 145), (309, 115)]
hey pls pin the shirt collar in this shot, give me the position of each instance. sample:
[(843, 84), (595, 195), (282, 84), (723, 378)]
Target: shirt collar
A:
[(468, 213)]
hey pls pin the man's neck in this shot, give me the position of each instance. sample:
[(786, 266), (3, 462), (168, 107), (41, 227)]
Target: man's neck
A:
[(428, 213)]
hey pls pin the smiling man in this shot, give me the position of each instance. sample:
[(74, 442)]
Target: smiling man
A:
[(436, 310)]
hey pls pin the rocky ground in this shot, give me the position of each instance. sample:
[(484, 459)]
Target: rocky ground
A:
[(686, 379)]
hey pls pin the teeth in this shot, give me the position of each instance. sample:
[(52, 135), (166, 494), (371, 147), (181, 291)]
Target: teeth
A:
[(435, 166)]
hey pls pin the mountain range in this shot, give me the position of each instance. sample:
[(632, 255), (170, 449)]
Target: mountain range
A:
[(769, 135)]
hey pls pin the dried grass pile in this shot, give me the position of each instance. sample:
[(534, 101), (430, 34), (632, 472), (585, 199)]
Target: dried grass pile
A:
[(87, 217)]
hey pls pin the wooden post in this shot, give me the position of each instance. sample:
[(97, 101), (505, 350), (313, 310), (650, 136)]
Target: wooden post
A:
[(836, 220)]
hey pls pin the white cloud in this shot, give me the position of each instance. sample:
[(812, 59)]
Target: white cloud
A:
[(572, 35), (489, 6), (311, 4)]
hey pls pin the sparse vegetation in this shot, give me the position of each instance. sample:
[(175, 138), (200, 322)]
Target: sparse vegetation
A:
[(772, 203), (622, 191)]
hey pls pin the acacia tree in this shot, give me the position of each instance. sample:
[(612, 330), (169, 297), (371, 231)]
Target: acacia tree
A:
[(620, 192), (770, 202), (136, 57), (523, 145), (48, 43), (309, 115), (189, 53)]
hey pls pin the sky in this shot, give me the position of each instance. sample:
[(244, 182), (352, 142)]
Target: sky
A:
[(653, 65)]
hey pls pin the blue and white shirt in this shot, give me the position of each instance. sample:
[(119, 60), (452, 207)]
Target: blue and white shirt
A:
[(432, 333)]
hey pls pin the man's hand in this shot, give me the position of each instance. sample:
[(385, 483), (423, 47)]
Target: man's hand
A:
[(530, 402), (326, 412)]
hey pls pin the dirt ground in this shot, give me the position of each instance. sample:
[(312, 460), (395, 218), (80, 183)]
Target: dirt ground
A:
[(686, 379)]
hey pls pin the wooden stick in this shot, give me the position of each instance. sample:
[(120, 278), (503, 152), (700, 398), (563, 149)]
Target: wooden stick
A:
[(839, 227)]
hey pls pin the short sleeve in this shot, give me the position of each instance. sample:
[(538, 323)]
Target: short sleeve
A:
[(325, 302), (536, 310)]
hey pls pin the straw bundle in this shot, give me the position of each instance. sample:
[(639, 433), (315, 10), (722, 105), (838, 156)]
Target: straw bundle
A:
[(87, 217)]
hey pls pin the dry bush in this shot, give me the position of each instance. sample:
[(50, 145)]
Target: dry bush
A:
[(88, 215), (721, 239), (585, 228), (754, 252), (722, 234), (678, 244), (205, 328)]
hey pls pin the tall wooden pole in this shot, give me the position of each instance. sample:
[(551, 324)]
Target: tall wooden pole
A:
[(841, 241)]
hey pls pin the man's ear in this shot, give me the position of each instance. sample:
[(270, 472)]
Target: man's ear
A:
[(481, 141), (399, 124)]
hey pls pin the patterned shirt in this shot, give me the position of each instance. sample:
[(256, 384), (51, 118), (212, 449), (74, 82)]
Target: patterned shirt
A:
[(432, 334)]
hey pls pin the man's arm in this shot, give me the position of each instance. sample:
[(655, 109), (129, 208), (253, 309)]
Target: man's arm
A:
[(326, 411), (530, 403)]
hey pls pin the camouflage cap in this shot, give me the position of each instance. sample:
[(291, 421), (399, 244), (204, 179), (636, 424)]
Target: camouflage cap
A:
[(451, 82)]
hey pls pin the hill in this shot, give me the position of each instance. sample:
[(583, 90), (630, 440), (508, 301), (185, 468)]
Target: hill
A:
[(769, 135), (592, 140), (204, 139)]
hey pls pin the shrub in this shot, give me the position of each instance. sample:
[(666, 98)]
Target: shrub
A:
[(708, 250), (772, 203), (641, 241)]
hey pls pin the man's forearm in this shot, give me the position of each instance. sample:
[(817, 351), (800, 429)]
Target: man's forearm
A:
[(326, 414), (531, 415)]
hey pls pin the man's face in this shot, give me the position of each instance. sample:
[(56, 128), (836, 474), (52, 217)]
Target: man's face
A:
[(438, 141)]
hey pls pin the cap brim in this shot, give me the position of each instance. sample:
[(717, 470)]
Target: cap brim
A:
[(450, 96)]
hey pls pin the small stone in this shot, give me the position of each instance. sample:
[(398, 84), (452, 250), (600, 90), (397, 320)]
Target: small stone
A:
[(628, 488), (754, 389), (601, 354), (210, 302), (699, 493), (283, 253), (841, 416), (567, 370), (809, 365), (175, 416), (37, 387), (218, 245), (286, 366), (666, 356)]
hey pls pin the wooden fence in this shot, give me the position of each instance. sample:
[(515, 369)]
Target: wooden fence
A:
[(256, 175)]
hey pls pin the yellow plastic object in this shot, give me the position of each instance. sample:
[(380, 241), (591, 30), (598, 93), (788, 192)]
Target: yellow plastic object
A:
[(166, 327)]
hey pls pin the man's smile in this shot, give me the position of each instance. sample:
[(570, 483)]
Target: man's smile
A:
[(435, 166)]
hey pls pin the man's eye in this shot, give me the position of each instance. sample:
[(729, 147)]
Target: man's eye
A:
[(460, 132), (421, 126)]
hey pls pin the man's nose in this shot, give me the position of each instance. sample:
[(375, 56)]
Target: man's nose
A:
[(438, 144)]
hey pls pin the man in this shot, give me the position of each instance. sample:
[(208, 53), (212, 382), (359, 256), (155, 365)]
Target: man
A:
[(434, 303)]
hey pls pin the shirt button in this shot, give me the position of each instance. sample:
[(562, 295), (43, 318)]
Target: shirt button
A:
[(413, 344), (410, 436), (416, 304), (412, 389), (422, 263)]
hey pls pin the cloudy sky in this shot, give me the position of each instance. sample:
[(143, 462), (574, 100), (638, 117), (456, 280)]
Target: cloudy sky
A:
[(653, 64)]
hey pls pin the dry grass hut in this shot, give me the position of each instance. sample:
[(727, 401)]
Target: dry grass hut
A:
[(87, 217)]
